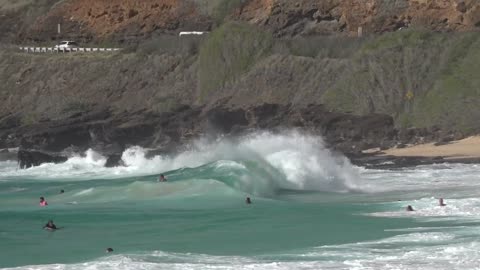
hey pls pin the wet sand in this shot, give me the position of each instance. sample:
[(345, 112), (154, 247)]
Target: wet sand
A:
[(463, 149)]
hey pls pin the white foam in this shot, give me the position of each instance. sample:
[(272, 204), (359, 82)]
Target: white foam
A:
[(305, 161), (428, 207), (429, 178), (84, 192), (437, 253), (291, 160)]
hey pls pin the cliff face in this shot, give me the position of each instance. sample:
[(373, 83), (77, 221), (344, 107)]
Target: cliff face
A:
[(307, 17), (404, 87), (130, 20), (121, 20), (16, 17), (262, 66)]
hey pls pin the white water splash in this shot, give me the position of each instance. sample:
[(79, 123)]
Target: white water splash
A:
[(290, 160)]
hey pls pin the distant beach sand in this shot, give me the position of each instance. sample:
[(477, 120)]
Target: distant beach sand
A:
[(466, 148)]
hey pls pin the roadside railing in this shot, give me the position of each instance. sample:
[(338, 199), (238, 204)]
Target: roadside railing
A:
[(65, 50)]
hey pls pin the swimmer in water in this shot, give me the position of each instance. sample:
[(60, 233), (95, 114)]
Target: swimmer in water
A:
[(441, 203), (108, 250), (43, 202), (248, 200), (162, 178), (410, 208), (62, 191), (50, 226)]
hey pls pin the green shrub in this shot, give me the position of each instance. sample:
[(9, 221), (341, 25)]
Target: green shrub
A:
[(225, 8), (228, 53), (453, 100), (29, 119), (400, 39), (320, 46), (187, 45), (440, 70), (218, 9)]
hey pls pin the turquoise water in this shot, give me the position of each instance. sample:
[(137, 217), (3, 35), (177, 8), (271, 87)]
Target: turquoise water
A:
[(303, 216)]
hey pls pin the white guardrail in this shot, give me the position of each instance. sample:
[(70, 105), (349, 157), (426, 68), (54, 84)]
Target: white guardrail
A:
[(65, 50)]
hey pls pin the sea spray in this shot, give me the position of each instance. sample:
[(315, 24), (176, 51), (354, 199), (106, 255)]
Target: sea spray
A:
[(288, 161), (260, 163)]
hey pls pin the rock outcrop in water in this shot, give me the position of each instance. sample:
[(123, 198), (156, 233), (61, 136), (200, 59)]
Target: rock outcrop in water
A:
[(29, 158)]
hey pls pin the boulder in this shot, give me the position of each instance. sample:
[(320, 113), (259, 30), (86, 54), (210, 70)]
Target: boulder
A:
[(114, 160), (31, 158)]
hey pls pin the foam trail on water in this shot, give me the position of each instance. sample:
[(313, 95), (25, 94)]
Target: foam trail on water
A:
[(456, 179), (415, 251), (456, 209)]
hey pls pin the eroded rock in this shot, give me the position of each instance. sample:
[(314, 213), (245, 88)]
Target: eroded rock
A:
[(31, 158)]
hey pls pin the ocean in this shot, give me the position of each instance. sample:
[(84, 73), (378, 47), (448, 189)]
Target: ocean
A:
[(311, 209)]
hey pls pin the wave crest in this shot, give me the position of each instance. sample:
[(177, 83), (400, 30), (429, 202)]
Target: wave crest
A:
[(260, 163)]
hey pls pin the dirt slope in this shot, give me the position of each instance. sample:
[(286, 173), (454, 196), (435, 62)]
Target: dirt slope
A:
[(345, 16), (130, 20)]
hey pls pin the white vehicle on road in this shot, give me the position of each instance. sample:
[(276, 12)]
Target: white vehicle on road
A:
[(66, 45)]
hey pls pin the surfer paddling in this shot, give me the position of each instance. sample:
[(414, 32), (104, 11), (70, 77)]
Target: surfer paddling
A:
[(162, 178), (50, 226)]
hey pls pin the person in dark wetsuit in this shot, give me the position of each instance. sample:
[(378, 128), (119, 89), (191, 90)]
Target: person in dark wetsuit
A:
[(248, 200), (162, 178), (441, 203), (410, 208), (50, 226)]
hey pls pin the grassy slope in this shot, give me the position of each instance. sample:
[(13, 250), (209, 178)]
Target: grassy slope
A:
[(455, 97), (7, 5), (228, 53), (420, 78)]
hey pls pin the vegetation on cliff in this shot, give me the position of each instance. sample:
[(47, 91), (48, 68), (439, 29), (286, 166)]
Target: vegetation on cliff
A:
[(419, 77), (228, 53)]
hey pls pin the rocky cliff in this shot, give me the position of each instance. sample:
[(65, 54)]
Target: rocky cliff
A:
[(263, 66), (131, 21), (307, 17)]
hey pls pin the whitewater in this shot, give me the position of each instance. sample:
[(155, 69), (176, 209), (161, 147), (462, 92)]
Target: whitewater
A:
[(312, 209)]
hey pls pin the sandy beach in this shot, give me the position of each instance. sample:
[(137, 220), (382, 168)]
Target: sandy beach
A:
[(466, 148)]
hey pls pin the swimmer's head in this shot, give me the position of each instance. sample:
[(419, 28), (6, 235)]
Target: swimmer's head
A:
[(248, 200), (62, 191), (42, 199), (108, 250)]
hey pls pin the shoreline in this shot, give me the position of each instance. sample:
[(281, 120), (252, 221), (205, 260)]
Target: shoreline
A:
[(466, 151), (465, 148)]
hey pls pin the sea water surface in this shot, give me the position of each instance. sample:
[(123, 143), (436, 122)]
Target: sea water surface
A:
[(311, 210)]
